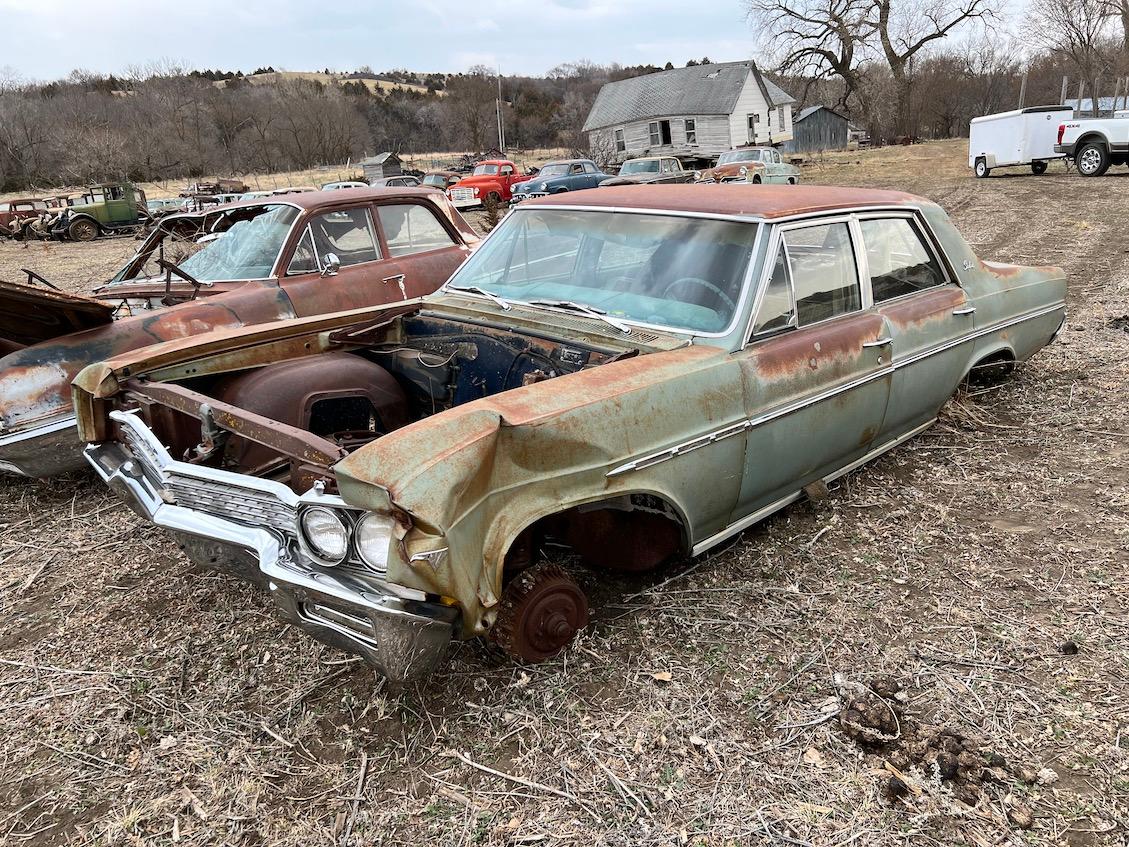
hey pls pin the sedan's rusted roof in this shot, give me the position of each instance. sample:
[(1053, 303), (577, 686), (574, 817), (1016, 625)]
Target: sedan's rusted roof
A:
[(768, 201)]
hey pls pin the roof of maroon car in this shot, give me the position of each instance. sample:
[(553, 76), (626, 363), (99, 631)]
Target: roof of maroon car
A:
[(767, 201), (317, 199)]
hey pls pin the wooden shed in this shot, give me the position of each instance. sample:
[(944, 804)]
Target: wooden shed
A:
[(378, 167), (817, 128)]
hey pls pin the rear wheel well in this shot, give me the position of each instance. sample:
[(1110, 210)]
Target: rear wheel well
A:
[(1092, 138), (991, 369)]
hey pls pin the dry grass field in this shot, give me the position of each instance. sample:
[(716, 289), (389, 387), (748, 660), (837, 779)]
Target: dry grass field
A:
[(965, 596)]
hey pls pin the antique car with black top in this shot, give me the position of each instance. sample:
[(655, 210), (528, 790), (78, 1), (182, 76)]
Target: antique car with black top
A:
[(634, 375), (247, 263)]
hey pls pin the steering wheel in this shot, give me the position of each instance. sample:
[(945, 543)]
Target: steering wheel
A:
[(704, 283)]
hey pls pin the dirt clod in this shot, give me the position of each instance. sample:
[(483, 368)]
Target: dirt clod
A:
[(1068, 648)]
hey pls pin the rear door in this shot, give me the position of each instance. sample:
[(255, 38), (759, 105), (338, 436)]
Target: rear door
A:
[(930, 319), (816, 368), (423, 244)]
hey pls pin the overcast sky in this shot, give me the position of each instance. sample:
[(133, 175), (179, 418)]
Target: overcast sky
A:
[(46, 39)]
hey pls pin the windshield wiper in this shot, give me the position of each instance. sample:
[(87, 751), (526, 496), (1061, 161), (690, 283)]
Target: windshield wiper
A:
[(490, 295), (585, 309)]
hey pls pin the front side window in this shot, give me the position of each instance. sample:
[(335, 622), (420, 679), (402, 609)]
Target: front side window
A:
[(691, 131), (824, 275), (576, 169), (620, 145), (116, 192), (412, 228), (664, 270), (346, 233), (898, 259)]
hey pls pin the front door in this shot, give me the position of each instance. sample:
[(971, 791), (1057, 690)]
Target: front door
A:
[(928, 315), (817, 371), (345, 239)]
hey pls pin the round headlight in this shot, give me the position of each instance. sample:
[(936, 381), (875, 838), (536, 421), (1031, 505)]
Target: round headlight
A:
[(543, 186), (325, 533), (373, 536)]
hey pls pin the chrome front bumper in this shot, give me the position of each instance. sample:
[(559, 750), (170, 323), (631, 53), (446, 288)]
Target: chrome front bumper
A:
[(393, 628), (43, 450)]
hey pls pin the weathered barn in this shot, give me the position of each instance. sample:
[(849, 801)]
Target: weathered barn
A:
[(693, 113), (378, 167), (818, 128)]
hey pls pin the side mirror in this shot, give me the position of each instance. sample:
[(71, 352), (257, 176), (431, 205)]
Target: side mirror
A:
[(332, 265)]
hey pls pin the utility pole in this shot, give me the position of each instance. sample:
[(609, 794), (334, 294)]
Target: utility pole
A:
[(501, 128), (1062, 97), (1022, 89)]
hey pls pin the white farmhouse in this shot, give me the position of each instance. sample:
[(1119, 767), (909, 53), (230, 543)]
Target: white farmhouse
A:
[(693, 113)]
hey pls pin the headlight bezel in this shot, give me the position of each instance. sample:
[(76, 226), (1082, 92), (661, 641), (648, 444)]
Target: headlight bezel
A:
[(358, 554)]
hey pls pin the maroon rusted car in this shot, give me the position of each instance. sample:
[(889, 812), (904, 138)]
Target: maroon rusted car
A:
[(14, 212), (294, 256)]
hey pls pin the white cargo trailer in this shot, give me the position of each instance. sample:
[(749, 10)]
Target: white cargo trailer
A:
[(1021, 137)]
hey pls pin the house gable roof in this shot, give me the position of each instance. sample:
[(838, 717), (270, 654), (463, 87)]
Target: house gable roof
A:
[(697, 90)]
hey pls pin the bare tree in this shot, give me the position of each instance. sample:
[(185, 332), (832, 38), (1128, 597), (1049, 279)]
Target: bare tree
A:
[(1080, 31), (815, 39), (904, 29)]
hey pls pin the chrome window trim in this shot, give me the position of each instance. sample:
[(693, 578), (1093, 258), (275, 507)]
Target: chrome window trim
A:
[(925, 236), (317, 258), (826, 394), (746, 277)]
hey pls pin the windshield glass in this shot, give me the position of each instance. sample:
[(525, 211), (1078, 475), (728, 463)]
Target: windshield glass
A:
[(553, 170), (664, 270), (435, 179), (739, 156), (640, 166), (486, 170), (242, 243)]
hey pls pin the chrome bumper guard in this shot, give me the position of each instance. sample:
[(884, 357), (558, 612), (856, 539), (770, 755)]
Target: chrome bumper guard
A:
[(392, 628), (43, 450)]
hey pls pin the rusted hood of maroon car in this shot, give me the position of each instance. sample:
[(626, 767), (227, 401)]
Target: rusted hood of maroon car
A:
[(35, 380), (30, 314)]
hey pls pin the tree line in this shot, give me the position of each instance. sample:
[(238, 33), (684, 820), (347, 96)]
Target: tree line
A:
[(919, 68)]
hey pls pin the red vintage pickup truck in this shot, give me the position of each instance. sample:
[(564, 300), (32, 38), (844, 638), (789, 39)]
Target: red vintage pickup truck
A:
[(493, 178)]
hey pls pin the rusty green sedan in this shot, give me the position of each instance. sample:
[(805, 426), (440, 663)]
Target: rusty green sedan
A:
[(635, 375)]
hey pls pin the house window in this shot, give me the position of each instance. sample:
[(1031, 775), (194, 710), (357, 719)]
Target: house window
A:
[(659, 132), (753, 120), (620, 146), (691, 131), (780, 117)]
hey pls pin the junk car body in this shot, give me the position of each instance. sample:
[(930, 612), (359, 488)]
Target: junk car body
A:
[(302, 254), (635, 375), (492, 181), (752, 164), (650, 170), (561, 175)]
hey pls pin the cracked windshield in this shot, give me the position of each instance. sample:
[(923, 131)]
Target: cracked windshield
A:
[(663, 270), (237, 244)]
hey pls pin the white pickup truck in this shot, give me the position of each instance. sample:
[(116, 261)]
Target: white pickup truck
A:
[(1095, 143)]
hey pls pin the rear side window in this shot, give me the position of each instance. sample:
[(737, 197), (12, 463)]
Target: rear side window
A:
[(899, 261), (346, 233), (824, 275), (412, 228)]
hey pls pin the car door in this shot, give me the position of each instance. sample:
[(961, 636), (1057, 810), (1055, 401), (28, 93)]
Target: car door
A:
[(930, 319), (423, 245), (348, 236), (774, 168), (817, 375)]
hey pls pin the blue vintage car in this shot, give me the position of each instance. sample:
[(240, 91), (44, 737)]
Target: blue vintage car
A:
[(561, 175)]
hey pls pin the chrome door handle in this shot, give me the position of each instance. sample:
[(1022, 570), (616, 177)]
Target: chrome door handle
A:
[(967, 310), (878, 342)]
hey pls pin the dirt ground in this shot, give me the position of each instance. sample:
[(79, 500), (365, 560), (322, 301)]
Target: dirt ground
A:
[(935, 654)]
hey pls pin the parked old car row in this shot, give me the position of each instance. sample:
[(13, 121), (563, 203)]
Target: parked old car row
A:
[(634, 374)]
